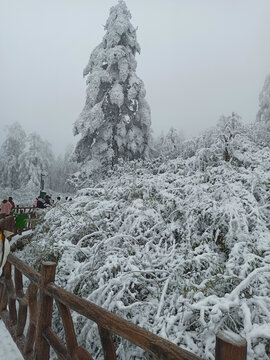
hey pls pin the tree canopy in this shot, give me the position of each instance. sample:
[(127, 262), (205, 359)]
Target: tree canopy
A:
[(115, 121)]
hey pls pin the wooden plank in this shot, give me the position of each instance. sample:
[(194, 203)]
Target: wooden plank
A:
[(11, 294), (22, 312), (22, 315), (29, 340), (10, 287), (230, 349), (32, 303), (25, 269), (18, 282), (8, 223), (44, 320), (153, 344), (107, 344), (4, 296), (70, 335), (81, 354), (56, 344)]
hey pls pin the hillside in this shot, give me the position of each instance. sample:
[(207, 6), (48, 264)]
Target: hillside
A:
[(180, 247)]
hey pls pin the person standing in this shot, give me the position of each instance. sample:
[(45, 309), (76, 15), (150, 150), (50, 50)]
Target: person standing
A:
[(10, 200), (47, 200), (58, 200), (35, 203), (5, 208), (40, 203)]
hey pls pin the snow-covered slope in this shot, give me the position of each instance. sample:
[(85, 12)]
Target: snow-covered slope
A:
[(181, 248), (8, 348)]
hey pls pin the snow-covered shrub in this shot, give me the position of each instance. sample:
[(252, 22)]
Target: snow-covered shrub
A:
[(228, 128), (178, 247)]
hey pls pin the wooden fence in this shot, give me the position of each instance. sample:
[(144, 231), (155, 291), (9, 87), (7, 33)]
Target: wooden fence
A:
[(35, 341), (28, 317), (24, 209), (19, 221)]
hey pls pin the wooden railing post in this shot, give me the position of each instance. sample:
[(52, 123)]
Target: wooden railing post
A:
[(45, 306), (3, 291), (107, 344), (230, 349), (22, 312), (11, 293), (32, 302)]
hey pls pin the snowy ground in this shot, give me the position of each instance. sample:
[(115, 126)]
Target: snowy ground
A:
[(8, 349)]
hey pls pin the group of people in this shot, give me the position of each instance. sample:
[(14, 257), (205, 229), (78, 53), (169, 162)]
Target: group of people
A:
[(43, 202), (6, 206), (47, 201)]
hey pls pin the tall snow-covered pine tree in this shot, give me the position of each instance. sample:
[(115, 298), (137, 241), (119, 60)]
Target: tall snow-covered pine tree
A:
[(115, 121), (261, 131), (37, 158), (264, 102), (11, 150)]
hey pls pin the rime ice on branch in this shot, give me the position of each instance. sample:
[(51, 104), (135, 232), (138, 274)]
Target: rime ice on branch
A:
[(115, 121)]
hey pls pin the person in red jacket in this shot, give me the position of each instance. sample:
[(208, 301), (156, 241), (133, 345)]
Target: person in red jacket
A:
[(10, 200)]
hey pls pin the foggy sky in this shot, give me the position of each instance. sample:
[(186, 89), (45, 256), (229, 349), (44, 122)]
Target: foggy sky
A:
[(199, 59)]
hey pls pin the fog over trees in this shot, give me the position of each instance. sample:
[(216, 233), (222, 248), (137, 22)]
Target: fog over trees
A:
[(24, 157)]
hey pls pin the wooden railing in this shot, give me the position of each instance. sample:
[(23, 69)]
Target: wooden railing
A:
[(10, 223), (37, 301), (34, 311), (24, 209)]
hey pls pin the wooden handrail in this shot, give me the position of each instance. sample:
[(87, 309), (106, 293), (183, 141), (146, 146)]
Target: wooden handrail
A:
[(25, 269), (230, 349), (24, 208), (151, 343), (7, 223), (43, 337)]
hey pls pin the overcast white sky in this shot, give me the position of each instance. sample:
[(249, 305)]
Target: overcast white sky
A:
[(199, 59)]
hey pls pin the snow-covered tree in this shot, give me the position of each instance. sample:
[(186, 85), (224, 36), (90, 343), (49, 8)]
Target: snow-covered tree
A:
[(220, 142), (264, 102), (228, 127), (115, 121), (261, 129), (11, 150), (169, 145), (61, 171), (37, 158)]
